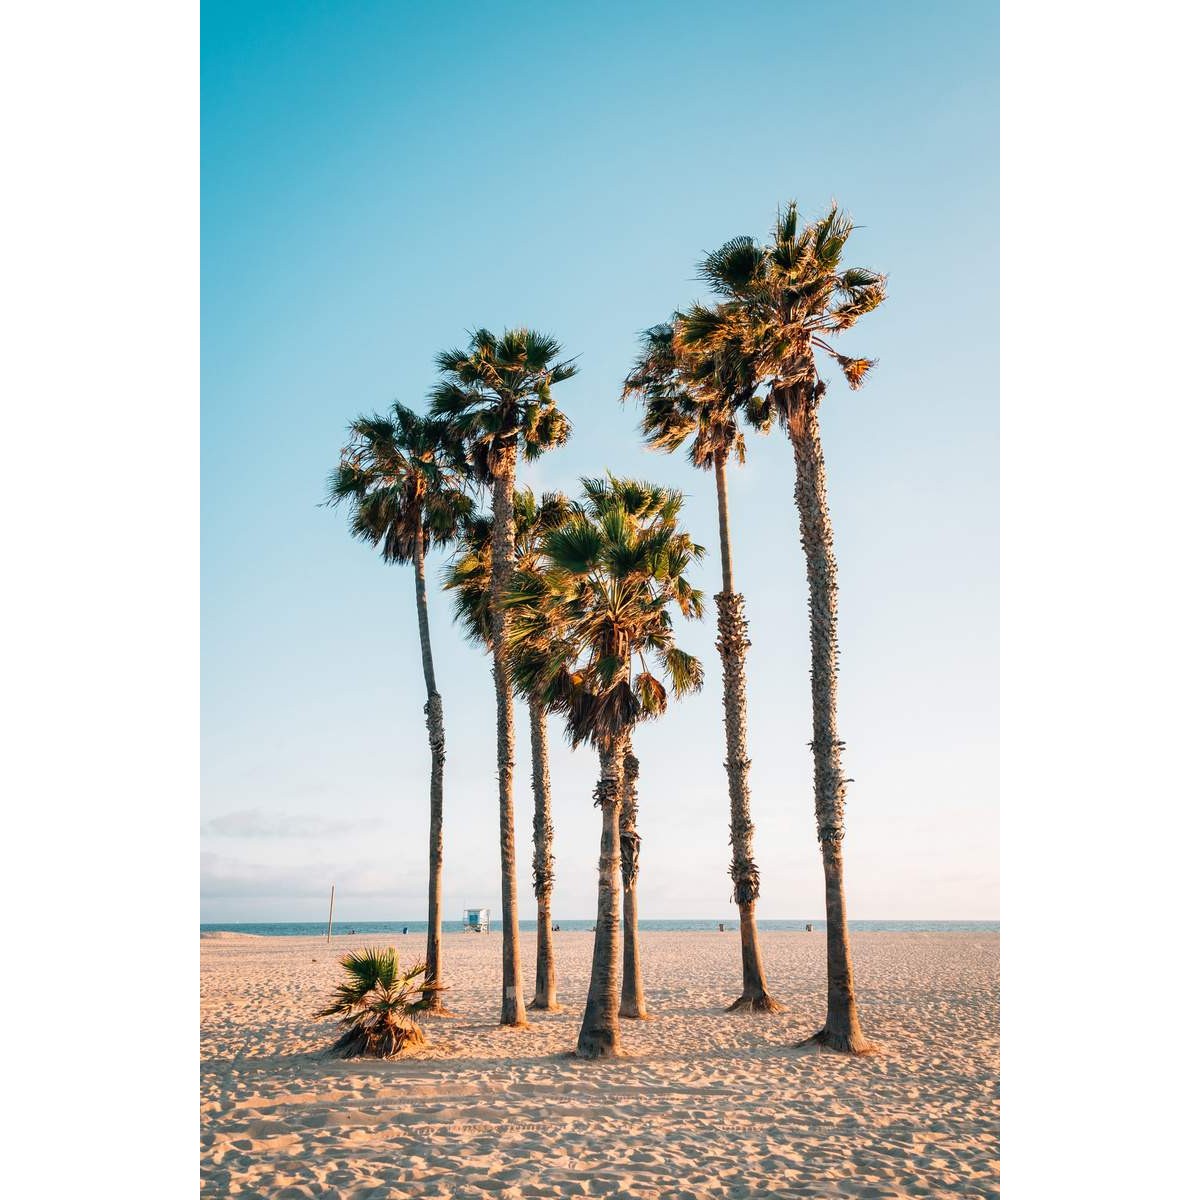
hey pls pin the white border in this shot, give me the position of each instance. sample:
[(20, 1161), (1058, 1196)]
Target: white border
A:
[(100, 284), (1098, 545)]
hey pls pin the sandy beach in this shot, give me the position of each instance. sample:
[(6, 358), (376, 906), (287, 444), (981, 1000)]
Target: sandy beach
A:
[(705, 1105)]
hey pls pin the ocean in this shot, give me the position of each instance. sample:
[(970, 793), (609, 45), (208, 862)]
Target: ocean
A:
[(317, 928)]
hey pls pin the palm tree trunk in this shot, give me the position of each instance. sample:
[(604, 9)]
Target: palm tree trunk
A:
[(600, 1033), (841, 1030), (732, 644), (437, 752), (633, 996), (512, 1002), (545, 993)]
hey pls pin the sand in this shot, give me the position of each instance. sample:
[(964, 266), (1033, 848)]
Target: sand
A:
[(705, 1105)]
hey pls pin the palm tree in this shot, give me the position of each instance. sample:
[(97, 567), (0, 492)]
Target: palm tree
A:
[(377, 1005), (497, 396), (404, 485), (580, 635), (783, 302), (469, 576), (700, 394)]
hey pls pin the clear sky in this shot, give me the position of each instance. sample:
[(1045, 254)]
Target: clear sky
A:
[(380, 178)]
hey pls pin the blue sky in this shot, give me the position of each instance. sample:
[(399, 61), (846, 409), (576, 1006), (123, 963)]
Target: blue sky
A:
[(379, 178)]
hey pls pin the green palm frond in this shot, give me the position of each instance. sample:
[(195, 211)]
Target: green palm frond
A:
[(371, 968), (787, 224), (685, 670), (546, 427), (732, 268), (575, 547)]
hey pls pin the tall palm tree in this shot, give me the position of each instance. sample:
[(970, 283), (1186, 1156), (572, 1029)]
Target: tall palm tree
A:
[(469, 576), (784, 301), (580, 636), (700, 394), (404, 484), (497, 397)]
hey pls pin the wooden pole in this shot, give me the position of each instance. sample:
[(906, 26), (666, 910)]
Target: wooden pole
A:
[(329, 931)]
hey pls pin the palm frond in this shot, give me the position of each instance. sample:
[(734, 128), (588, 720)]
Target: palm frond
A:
[(685, 670), (855, 369), (575, 547), (651, 694), (733, 267)]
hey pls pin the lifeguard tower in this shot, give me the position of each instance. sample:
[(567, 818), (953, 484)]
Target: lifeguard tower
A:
[(477, 920)]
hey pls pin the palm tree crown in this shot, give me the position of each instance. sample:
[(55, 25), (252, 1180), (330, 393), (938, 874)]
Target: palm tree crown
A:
[(496, 395), (405, 479), (784, 300), (696, 388), (585, 631)]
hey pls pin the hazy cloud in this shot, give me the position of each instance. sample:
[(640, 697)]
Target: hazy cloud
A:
[(222, 877), (255, 823)]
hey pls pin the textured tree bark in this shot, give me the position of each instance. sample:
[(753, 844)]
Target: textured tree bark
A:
[(545, 993), (841, 1030), (437, 753), (600, 1033), (723, 524), (633, 996), (732, 644), (512, 1002)]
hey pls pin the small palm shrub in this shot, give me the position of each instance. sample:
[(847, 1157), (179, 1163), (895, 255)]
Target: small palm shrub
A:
[(377, 1004)]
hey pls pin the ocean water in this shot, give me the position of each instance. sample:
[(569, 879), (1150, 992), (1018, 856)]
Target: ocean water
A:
[(317, 928)]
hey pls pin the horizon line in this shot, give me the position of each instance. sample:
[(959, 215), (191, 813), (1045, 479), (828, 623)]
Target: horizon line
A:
[(533, 920)]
